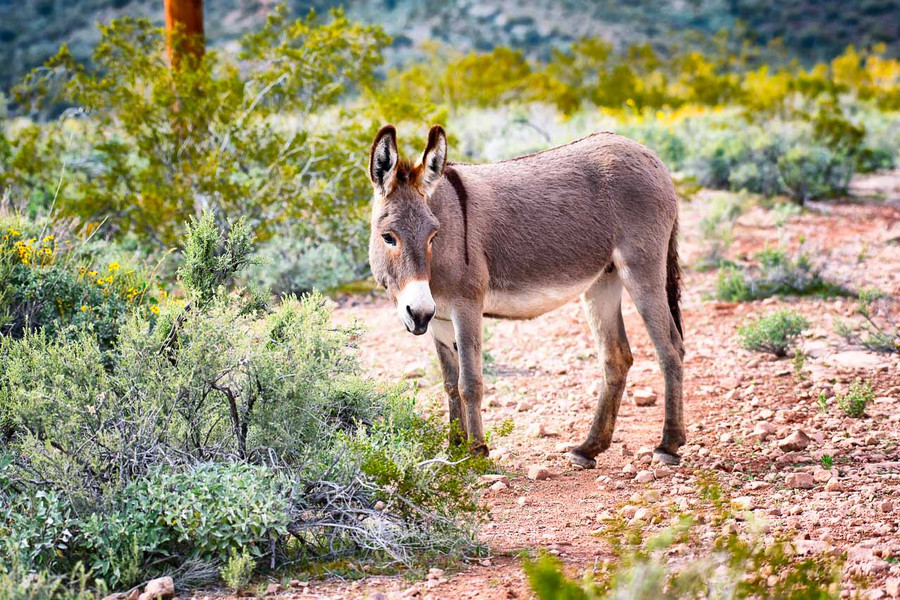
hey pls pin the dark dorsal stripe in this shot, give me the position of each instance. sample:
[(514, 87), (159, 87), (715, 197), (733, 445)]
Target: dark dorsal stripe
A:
[(456, 182)]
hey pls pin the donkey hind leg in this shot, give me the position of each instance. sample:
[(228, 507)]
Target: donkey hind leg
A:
[(647, 287), (467, 325), (603, 308), (445, 344)]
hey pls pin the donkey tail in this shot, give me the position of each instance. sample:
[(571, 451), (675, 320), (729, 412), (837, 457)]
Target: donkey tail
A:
[(673, 279)]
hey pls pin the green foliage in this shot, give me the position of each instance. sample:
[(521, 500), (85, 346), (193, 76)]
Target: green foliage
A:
[(853, 403), (776, 273), (54, 278), (215, 428), (878, 329), (731, 566), (716, 227), (226, 134), (212, 259), (237, 571), (827, 462), (292, 265), (774, 333)]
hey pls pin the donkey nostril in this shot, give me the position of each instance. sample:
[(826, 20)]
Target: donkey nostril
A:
[(410, 312)]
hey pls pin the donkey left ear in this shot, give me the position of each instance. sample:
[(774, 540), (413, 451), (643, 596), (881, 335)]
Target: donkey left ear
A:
[(434, 159)]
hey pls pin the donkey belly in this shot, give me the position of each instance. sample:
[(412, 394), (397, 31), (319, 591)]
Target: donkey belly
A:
[(529, 302)]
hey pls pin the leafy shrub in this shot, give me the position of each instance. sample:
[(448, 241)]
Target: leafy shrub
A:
[(774, 333), (776, 273), (853, 403), (53, 279), (289, 265), (809, 173), (214, 428), (237, 571), (716, 227), (733, 565), (239, 143), (878, 329)]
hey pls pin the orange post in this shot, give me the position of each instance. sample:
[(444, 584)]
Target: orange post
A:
[(184, 17)]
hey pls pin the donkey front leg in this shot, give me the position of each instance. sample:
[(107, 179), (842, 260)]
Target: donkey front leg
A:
[(467, 323), (445, 344)]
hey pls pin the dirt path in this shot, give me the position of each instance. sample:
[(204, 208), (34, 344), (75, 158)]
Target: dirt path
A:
[(544, 374)]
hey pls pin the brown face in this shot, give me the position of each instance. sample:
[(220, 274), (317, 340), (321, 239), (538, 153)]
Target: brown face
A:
[(403, 227)]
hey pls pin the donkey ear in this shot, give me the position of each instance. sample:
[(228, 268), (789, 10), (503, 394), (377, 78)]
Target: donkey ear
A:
[(383, 159), (434, 159)]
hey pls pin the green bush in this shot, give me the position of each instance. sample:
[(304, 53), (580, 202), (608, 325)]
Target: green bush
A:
[(291, 265), (776, 273), (853, 403), (238, 570), (213, 427), (878, 329), (732, 565), (774, 333), (809, 173)]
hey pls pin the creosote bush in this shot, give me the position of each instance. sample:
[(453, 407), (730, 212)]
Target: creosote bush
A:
[(776, 273), (775, 333), (734, 565), (878, 328), (854, 401), (213, 426)]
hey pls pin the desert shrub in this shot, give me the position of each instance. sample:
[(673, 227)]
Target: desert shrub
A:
[(775, 273), (878, 329), (853, 403), (17, 583), (240, 142), (716, 227), (731, 565), (774, 333), (809, 173), (54, 278), (237, 571), (215, 427), (290, 265)]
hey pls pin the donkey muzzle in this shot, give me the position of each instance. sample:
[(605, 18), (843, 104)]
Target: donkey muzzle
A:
[(416, 306)]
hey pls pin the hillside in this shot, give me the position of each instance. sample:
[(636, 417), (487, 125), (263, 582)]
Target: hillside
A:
[(810, 30)]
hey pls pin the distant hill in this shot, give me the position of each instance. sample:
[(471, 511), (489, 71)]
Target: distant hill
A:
[(811, 30)]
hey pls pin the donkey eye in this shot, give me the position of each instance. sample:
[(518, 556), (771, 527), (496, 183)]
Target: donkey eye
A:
[(389, 239)]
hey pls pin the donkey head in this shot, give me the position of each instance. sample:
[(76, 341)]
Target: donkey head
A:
[(403, 227)]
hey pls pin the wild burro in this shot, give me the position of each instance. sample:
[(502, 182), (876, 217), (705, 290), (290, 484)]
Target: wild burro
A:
[(453, 243)]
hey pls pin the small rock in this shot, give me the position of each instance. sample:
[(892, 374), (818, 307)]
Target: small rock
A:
[(272, 589), (413, 371), (662, 472), (834, 485), (435, 573), (644, 397), (743, 503), (763, 430), (498, 486), (379, 506), (535, 430), (795, 442), (886, 506), (652, 496), (892, 587), (493, 478), (160, 587), (538, 473), (524, 406), (628, 469), (521, 500), (644, 477), (563, 447), (822, 475), (803, 481)]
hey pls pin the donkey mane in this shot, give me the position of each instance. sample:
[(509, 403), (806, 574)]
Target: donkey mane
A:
[(532, 154)]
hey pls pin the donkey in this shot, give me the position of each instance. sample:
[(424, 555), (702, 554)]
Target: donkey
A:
[(453, 243)]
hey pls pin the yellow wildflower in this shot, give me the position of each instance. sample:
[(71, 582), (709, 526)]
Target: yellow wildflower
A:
[(92, 273), (49, 238), (85, 308), (114, 267), (154, 309)]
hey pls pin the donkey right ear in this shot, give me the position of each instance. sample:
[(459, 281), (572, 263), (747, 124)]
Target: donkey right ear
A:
[(383, 159)]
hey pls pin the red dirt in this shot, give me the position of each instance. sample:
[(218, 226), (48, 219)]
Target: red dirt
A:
[(551, 363)]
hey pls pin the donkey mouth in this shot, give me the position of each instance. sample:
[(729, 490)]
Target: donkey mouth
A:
[(417, 330)]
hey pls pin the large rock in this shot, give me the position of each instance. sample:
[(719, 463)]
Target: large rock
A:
[(855, 359), (795, 442)]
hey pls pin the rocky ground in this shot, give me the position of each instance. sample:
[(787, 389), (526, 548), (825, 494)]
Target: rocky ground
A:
[(753, 420)]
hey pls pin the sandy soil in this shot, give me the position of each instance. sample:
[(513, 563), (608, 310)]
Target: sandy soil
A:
[(544, 375)]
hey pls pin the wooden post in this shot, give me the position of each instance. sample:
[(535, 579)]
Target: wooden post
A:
[(186, 18)]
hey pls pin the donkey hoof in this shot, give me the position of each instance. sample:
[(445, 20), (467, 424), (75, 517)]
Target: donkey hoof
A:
[(580, 460), (666, 458), (480, 450)]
